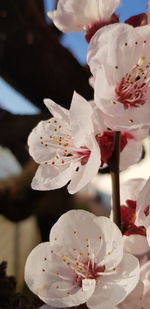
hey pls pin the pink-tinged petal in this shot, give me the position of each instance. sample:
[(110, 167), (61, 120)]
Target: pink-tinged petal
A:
[(130, 189), (56, 110), (49, 177), (113, 240), (88, 171), (143, 206), (128, 156), (80, 240), (114, 289), (130, 244)]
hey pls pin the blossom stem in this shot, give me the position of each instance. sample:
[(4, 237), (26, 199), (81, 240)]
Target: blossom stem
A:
[(114, 170)]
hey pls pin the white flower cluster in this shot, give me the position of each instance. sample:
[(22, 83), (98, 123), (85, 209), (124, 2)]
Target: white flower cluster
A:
[(88, 260)]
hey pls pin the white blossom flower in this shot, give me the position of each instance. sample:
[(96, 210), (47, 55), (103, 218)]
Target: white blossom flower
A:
[(74, 144), (65, 147), (83, 262), (73, 15), (143, 209), (119, 60), (140, 297), (133, 234)]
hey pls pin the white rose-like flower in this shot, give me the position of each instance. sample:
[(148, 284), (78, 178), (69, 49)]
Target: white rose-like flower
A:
[(73, 15), (83, 262), (119, 60), (65, 147)]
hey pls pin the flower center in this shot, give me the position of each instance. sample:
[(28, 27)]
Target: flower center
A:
[(132, 90), (61, 141), (83, 268), (128, 216), (106, 144)]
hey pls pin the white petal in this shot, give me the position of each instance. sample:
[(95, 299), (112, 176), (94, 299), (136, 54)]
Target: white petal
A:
[(81, 119), (80, 296), (56, 110), (130, 244), (49, 177), (131, 119), (72, 228), (113, 289), (107, 8), (114, 242), (37, 150), (134, 304), (87, 171), (142, 202), (130, 189), (74, 15), (148, 234), (107, 47), (128, 156)]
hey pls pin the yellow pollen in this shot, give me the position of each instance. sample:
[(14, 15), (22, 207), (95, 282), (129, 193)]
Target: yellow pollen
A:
[(141, 60), (65, 145)]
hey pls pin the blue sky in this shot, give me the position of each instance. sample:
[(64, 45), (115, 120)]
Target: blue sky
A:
[(16, 103)]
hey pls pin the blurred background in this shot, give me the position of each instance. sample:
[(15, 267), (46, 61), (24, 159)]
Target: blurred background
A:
[(38, 61)]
